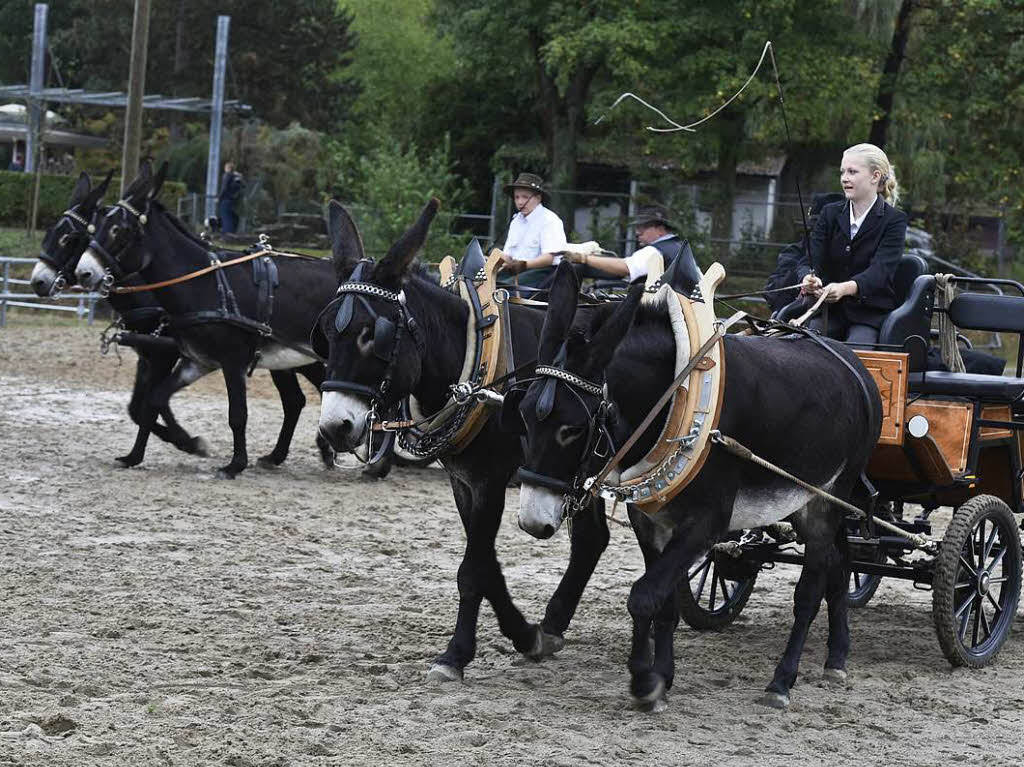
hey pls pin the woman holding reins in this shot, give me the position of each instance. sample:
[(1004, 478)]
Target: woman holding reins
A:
[(855, 248)]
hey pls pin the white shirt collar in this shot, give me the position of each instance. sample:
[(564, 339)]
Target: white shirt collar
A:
[(540, 206), (855, 223)]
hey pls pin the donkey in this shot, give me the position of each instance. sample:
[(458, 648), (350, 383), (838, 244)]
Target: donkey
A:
[(212, 317), (140, 313), (421, 356), (801, 405)]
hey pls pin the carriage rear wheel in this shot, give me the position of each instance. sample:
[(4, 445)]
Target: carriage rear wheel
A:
[(862, 585), (976, 584), (715, 590)]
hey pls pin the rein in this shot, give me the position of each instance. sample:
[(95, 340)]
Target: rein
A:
[(205, 270)]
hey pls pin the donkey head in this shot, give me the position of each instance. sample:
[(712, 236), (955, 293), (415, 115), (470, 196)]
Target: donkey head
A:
[(68, 238), (118, 228), (372, 343), (564, 412)]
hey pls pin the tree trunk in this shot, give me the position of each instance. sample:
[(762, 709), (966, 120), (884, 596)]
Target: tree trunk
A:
[(890, 72), (730, 137)]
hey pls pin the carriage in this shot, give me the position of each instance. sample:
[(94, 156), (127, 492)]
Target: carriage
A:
[(948, 439)]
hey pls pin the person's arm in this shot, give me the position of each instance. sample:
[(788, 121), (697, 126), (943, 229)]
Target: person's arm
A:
[(872, 282), (611, 265)]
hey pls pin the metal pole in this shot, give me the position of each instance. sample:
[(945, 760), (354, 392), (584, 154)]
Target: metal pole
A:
[(1001, 241), (35, 106), (630, 245), (216, 115), (136, 91), (492, 230)]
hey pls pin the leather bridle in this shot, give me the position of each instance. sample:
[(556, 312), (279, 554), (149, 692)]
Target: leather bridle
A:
[(80, 229)]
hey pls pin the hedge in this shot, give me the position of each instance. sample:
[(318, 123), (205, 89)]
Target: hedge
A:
[(54, 192)]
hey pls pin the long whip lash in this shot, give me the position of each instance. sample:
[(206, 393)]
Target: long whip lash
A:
[(767, 51)]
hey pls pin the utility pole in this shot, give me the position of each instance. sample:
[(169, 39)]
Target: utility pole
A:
[(220, 61), (136, 91), (36, 112)]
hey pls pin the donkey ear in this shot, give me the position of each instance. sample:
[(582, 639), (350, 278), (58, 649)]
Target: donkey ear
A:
[(101, 190), (82, 188), (607, 336), (398, 259), (562, 300), (346, 244), (158, 181), (141, 183)]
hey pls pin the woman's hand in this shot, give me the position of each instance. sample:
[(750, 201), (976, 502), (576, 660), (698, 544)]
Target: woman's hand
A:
[(811, 286), (836, 291)]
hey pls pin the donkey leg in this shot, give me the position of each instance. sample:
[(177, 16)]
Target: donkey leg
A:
[(816, 526), (588, 541), (159, 366), (238, 417), (480, 576), (316, 374), (836, 590), (292, 402), (155, 401), (648, 609)]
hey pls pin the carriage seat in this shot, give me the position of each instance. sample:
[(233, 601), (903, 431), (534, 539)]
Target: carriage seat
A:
[(1000, 389)]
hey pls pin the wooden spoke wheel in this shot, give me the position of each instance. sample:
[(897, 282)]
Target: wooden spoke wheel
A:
[(976, 585), (715, 590)]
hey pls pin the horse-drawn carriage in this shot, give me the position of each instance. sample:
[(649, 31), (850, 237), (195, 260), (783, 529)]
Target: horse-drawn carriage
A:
[(949, 439)]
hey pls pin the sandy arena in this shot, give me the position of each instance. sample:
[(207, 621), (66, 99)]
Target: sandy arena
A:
[(158, 616)]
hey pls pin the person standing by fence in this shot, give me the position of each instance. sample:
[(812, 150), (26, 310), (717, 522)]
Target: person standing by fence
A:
[(230, 191)]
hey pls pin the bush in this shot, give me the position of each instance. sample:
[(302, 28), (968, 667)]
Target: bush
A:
[(54, 192)]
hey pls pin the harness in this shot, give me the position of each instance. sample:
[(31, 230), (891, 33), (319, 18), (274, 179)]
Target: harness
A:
[(456, 424), (265, 277), (79, 229)]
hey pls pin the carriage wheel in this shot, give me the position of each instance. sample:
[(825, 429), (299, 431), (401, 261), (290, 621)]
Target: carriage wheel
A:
[(862, 588), (862, 585), (715, 591), (976, 584)]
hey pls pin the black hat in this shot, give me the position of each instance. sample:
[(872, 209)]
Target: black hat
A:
[(653, 214), (530, 181)]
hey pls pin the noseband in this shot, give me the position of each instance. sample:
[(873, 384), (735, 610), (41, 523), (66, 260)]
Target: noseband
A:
[(599, 417)]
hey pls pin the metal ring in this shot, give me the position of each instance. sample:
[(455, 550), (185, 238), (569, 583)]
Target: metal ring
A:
[(500, 296)]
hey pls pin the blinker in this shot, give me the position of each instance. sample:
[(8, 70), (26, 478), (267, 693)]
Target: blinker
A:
[(347, 305), (383, 338)]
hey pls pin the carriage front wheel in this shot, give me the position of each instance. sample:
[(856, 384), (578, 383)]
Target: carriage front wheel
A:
[(976, 584), (715, 590)]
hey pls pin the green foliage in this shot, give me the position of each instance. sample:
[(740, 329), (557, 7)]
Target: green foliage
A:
[(387, 187), (16, 191)]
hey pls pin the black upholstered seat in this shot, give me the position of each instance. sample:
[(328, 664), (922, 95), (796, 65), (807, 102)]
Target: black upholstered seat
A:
[(971, 385)]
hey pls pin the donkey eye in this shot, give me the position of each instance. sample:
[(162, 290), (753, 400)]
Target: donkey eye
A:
[(114, 230), (568, 434)]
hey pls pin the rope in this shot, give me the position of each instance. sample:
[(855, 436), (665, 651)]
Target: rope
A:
[(945, 293), (746, 454)]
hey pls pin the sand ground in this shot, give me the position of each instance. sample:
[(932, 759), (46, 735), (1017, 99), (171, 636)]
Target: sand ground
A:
[(158, 616)]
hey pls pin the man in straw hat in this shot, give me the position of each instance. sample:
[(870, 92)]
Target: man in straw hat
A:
[(657, 233), (535, 234)]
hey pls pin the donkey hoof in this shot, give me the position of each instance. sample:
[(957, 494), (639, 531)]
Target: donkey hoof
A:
[(654, 707), (226, 473), (835, 676), (545, 645), (656, 691), (774, 700), (268, 462), (127, 461), (443, 673), (195, 446)]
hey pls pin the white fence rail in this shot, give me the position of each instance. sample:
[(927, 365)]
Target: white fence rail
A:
[(82, 304)]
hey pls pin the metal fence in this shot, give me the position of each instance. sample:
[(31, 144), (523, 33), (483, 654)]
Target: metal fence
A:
[(82, 304)]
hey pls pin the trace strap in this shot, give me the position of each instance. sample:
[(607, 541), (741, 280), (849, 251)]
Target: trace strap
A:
[(205, 270)]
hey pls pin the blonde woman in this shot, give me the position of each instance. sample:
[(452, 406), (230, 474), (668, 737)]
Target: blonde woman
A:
[(855, 247)]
